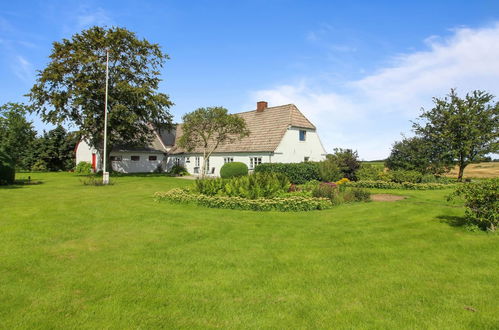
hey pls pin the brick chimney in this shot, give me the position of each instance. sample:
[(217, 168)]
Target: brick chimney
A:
[(261, 105)]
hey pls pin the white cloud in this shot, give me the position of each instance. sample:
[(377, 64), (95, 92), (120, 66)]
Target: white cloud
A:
[(87, 17), (23, 69), (371, 112)]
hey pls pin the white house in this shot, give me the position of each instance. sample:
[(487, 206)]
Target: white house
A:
[(280, 134), (128, 159)]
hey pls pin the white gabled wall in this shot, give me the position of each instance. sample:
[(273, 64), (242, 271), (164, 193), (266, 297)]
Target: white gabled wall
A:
[(292, 150), (84, 153)]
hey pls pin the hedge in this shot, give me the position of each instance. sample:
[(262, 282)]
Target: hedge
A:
[(284, 204), (7, 169), (394, 185), (297, 173), (230, 170), (481, 202)]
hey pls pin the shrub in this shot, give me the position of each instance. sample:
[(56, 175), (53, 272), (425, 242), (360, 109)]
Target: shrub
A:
[(481, 202), (257, 185), (39, 166), (83, 168), (326, 190), (329, 170), (91, 180), (297, 173), (347, 161), (233, 169), (7, 169), (361, 195), (393, 185), (400, 176), (369, 172), (178, 170), (284, 204)]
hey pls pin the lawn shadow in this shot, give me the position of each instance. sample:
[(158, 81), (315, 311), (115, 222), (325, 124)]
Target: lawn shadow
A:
[(453, 220), (20, 183)]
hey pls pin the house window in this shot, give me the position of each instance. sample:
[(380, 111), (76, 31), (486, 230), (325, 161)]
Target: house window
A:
[(196, 165), (228, 159), (135, 158), (176, 161), (207, 165), (187, 159), (254, 161), (303, 135), (306, 159), (153, 158), (115, 158)]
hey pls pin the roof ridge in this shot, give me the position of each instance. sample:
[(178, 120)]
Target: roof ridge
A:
[(277, 106)]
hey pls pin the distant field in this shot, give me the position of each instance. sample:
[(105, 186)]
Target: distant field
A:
[(479, 170)]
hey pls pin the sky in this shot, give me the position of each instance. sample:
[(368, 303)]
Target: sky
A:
[(359, 70)]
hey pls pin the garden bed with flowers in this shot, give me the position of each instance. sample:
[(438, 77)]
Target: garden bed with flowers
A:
[(265, 192)]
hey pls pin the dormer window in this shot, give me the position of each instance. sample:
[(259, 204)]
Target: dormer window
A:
[(303, 135)]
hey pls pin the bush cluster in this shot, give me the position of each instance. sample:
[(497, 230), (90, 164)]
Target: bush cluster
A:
[(234, 169), (369, 172), (83, 168), (297, 173), (178, 170), (481, 202), (326, 190), (284, 204), (7, 169), (394, 185), (257, 185)]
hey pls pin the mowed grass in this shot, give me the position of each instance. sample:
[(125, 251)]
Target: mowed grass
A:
[(74, 256)]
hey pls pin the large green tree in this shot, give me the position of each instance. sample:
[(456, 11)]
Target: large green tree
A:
[(418, 154), (71, 88), (206, 128), (461, 129), (17, 134)]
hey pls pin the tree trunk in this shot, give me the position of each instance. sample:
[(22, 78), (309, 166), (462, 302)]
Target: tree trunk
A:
[(203, 165), (461, 172)]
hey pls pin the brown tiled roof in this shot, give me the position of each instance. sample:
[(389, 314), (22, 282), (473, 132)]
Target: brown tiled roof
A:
[(162, 139), (266, 130)]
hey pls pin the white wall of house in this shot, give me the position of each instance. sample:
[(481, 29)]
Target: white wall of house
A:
[(216, 161), (123, 160), (292, 150), (84, 153), (127, 162)]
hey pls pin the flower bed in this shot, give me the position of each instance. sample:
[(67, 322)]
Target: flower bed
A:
[(285, 204), (394, 185)]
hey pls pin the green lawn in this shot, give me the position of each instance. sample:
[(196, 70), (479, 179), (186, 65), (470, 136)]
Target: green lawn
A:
[(110, 257)]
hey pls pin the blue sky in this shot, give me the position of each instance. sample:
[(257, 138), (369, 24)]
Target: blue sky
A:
[(360, 70)]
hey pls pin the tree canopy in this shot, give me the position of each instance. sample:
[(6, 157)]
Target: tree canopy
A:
[(207, 128), (461, 130), (417, 154), (17, 134), (71, 88)]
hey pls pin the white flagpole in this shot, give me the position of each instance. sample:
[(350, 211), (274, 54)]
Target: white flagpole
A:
[(105, 174)]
